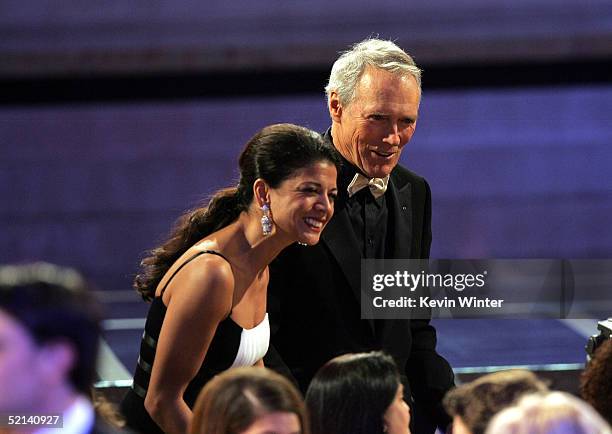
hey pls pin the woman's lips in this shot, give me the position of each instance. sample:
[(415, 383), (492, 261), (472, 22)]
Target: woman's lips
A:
[(314, 223)]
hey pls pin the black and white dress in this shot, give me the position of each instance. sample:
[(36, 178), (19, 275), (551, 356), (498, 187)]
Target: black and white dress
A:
[(230, 347)]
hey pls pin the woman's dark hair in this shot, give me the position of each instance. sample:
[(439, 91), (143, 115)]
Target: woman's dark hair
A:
[(351, 393), (274, 154), (236, 398)]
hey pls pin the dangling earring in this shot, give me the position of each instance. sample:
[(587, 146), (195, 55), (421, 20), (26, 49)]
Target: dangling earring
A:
[(266, 220)]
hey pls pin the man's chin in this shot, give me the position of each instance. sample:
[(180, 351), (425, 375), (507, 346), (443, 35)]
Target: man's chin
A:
[(379, 170)]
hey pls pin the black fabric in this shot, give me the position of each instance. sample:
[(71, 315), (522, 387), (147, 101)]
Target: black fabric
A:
[(314, 301), (219, 357), (368, 215)]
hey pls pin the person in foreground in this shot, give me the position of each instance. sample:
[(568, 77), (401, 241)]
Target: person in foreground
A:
[(472, 405), (596, 381), (49, 336), (383, 211), (249, 400), (358, 394), (208, 282), (553, 413)]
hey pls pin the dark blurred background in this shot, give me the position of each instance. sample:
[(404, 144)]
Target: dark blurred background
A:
[(116, 116)]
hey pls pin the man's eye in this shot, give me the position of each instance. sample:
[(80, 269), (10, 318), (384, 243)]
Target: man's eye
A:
[(333, 196), (377, 117)]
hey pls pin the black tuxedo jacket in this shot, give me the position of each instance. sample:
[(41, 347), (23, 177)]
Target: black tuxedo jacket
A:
[(314, 303)]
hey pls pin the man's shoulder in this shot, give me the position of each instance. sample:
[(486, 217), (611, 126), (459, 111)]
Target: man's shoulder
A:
[(402, 176)]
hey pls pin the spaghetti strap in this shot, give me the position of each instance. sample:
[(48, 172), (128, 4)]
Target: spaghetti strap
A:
[(212, 252)]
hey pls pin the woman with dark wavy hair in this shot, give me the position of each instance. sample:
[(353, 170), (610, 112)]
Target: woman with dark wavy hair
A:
[(249, 401), (208, 281), (358, 394)]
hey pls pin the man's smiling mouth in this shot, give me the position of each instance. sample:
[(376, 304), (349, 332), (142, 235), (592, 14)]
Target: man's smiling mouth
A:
[(383, 154)]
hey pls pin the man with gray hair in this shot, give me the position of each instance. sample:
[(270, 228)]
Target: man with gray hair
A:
[(383, 211)]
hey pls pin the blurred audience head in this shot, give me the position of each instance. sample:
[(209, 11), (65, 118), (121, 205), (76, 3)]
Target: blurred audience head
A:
[(472, 405), (358, 393), (552, 413), (49, 330), (596, 381), (249, 400)]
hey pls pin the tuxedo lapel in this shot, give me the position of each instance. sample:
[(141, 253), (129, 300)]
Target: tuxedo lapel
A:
[(399, 203), (400, 209), (339, 237)]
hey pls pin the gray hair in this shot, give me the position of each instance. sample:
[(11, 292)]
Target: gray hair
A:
[(377, 53)]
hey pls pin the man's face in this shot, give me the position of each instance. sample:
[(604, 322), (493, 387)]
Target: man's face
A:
[(19, 361), (372, 129)]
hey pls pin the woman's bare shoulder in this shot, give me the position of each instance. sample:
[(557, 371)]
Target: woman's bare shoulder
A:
[(207, 280)]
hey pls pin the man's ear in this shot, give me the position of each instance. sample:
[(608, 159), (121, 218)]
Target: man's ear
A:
[(335, 106), (261, 192)]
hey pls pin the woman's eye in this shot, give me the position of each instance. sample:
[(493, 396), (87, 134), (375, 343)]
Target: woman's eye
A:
[(308, 190)]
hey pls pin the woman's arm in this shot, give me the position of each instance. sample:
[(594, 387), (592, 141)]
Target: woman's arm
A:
[(201, 298)]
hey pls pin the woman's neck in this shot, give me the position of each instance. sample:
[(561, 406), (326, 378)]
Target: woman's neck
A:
[(246, 246)]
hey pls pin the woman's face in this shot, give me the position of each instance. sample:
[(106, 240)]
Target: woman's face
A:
[(302, 205), (280, 422), (397, 416)]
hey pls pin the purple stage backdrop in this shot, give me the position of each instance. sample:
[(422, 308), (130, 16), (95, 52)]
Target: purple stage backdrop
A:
[(514, 174)]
